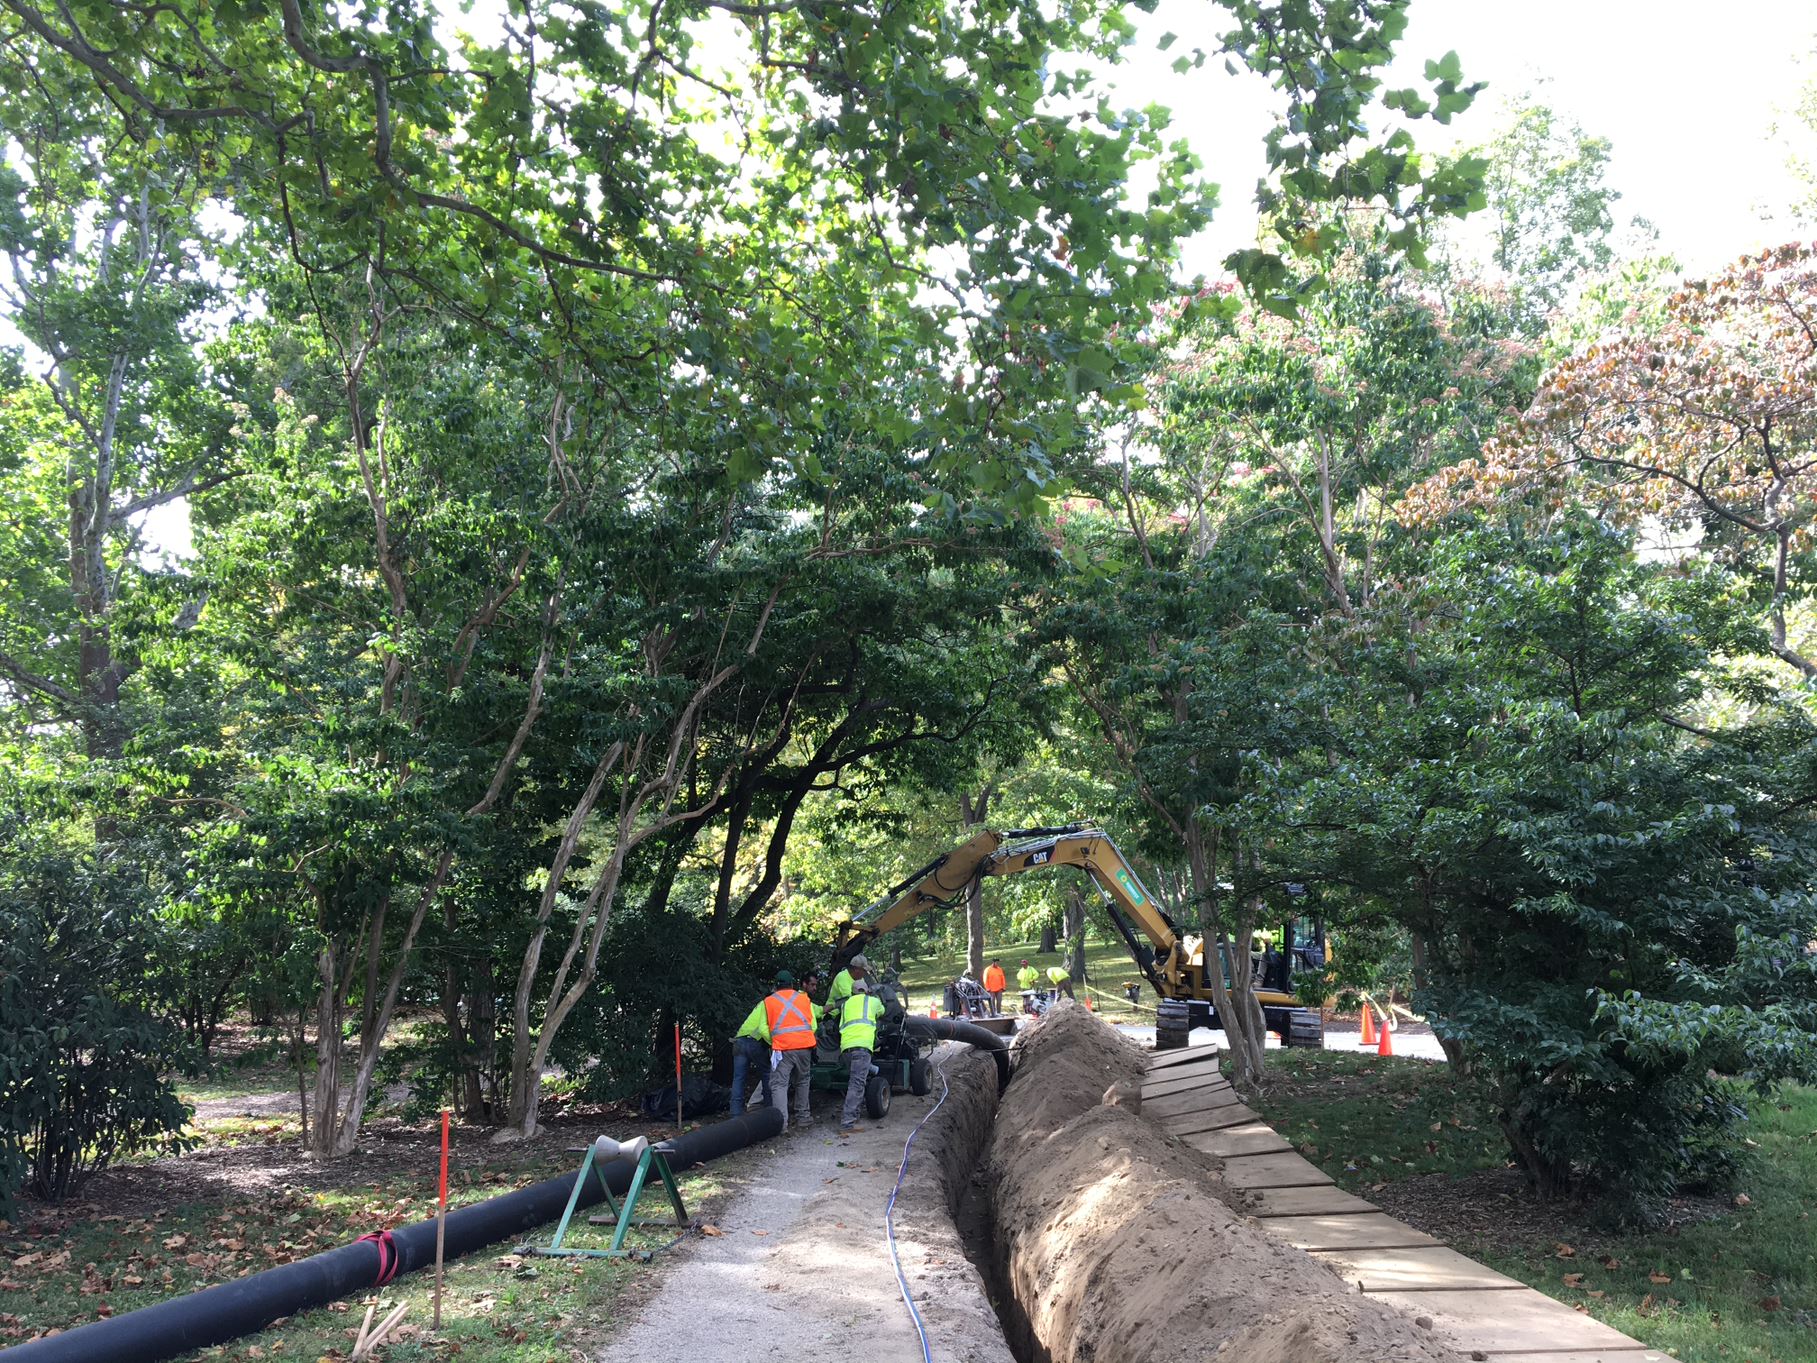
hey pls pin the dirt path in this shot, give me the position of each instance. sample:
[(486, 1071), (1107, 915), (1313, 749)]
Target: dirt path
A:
[(801, 1267)]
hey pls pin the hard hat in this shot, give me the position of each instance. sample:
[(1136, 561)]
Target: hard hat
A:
[(860, 961)]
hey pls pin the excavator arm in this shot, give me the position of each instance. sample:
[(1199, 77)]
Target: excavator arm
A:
[(1175, 965), (943, 883)]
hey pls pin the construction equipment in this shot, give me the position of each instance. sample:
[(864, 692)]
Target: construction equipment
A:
[(1174, 963), (899, 1055)]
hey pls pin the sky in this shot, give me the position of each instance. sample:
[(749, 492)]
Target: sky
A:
[(1687, 93)]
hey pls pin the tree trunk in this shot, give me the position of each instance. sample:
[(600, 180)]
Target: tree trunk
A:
[(973, 813), (1075, 933), (1048, 937), (1236, 1004)]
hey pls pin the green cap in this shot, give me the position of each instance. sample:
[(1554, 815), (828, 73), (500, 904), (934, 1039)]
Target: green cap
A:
[(784, 977)]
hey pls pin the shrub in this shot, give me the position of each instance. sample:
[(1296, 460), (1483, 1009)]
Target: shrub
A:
[(83, 1058)]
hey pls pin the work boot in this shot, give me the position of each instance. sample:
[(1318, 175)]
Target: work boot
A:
[(845, 1130)]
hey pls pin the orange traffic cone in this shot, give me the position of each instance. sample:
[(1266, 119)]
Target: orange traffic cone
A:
[(933, 1012), (1368, 1024), (1088, 1007), (1386, 1045)]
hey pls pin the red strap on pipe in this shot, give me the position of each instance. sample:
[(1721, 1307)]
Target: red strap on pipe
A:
[(389, 1259)]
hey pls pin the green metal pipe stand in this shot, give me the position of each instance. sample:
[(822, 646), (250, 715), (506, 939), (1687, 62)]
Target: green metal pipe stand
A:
[(621, 1216)]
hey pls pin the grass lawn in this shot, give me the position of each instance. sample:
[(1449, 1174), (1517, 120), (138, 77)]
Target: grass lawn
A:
[(247, 1201), (1107, 968), (1734, 1281)]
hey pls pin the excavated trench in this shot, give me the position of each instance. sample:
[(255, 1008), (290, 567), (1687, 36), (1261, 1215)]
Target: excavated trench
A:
[(1095, 1237)]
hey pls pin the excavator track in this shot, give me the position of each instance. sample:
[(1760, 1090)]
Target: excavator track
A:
[(1173, 1024)]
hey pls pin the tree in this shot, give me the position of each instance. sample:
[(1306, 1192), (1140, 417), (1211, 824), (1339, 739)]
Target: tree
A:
[(105, 283), (1610, 905), (1549, 210), (1706, 423)]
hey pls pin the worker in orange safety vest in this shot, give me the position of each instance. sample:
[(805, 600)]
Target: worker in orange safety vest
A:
[(995, 982), (792, 1020)]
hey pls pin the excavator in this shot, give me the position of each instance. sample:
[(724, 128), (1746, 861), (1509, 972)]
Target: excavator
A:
[(1173, 963)]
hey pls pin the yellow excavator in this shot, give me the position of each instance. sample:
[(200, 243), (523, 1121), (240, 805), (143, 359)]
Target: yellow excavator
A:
[(1174, 963)]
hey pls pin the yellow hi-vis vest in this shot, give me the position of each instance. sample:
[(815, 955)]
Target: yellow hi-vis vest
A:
[(1027, 976), (858, 1022)]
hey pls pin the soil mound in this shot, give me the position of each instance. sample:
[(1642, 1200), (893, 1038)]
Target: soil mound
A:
[(1115, 1243)]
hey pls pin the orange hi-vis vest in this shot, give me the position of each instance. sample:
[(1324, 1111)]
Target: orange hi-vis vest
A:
[(791, 1020), (994, 983)]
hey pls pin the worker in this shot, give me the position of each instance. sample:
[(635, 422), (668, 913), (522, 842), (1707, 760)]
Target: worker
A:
[(857, 1039), (1060, 979), (994, 985), (1027, 978), (845, 982), (751, 1052), (791, 1017)]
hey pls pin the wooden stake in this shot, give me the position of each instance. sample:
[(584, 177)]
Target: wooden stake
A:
[(441, 1223), (678, 1079), (365, 1325), (364, 1350)]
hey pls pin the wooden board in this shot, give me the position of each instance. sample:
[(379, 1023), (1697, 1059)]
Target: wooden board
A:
[(1183, 1056), (1179, 1104), (1212, 1119), (1504, 1324), (1194, 1120), (1370, 1230), (1267, 1203), (1181, 1076), (1273, 1171), (1636, 1353), (1207, 1085), (1239, 1142), (1433, 1269)]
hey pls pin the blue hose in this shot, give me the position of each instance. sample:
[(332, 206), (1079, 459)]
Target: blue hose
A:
[(889, 1219)]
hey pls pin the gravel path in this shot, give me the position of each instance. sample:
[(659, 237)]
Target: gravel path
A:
[(801, 1268)]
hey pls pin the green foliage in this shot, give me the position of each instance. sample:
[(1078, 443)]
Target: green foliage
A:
[(1550, 211), (84, 1059), (1608, 905)]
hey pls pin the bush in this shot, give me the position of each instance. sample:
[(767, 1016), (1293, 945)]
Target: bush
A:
[(83, 1059)]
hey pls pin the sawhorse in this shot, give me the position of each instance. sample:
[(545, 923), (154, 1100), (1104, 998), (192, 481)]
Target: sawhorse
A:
[(621, 1216)]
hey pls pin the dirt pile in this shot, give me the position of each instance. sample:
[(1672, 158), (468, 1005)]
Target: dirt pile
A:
[(1114, 1241)]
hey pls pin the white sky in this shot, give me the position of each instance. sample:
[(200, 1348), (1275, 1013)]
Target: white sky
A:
[(1687, 92)]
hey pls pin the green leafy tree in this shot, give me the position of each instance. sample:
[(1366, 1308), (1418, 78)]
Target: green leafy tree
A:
[(1550, 213), (1609, 905)]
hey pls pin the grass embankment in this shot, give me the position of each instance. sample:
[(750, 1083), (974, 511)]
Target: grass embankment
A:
[(1734, 1282), (245, 1201), (1107, 967)]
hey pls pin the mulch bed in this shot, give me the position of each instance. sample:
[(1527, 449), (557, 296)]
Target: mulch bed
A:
[(1495, 1208)]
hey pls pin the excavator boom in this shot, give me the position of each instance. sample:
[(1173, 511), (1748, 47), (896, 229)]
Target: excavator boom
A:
[(1175, 966)]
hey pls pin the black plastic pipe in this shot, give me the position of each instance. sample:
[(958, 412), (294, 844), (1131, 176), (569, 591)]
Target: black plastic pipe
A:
[(953, 1029), (218, 1314)]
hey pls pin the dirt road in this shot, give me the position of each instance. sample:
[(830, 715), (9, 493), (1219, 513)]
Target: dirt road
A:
[(801, 1267)]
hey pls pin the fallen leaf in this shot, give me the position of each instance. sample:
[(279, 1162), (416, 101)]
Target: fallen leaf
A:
[(708, 1228), (1659, 1279), (760, 1232), (1610, 1262), (176, 1242), (1769, 1303), (1596, 1292), (1646, 1305), (1743, 1200), (1574, 1280), (1564, 1251)]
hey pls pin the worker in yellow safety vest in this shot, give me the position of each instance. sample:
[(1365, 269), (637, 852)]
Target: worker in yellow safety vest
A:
[(791, 1017), (845, 982), (751, 1055), (1026, 980), (1061, 979), (857, 1038)]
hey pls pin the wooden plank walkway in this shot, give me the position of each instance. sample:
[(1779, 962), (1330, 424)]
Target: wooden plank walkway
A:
[(1478, 1311)]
